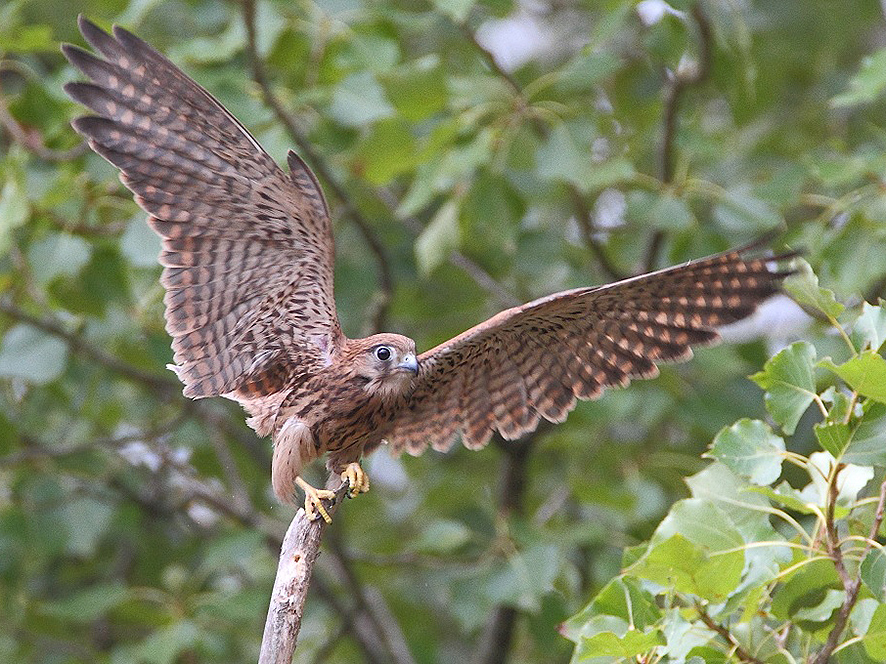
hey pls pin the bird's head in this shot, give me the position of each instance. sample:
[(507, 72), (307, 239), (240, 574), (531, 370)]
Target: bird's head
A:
[(385, 363)]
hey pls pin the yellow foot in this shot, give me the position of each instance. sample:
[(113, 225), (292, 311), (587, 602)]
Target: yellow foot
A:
[(313, 500), (357, 478)]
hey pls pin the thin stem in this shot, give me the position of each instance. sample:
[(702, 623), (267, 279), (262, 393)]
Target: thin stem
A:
[(742, 654)]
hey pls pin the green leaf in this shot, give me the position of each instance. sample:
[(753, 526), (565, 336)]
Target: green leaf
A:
[(875, 639), (679, 564), (805, 590), (32, 355), (869, 329), (750, 448), (624, 598), (695, 549), (664, 211), (789, 383), (14, 211), (165, 644), (739, 210), (561, 157), (87, 605), (417, 89), (610, 644), (139, 244), (803, 287), (457, 10), (833, 437), (443, 536), (59, 254), (873, 573), (865, 373), (786, 495), (868, 444), (385, 152), (359, 100), (867, 84), (439, 239)]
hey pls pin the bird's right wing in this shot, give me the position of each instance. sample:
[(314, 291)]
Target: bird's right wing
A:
[(535, 360), (247, 249)]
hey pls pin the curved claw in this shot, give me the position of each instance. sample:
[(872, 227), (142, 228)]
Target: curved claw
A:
[(314, 500), (357, 478)]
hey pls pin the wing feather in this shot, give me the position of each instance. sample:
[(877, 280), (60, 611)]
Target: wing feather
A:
[(534, 361), (247, 249)]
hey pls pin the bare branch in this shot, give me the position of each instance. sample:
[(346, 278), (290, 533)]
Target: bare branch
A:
[(299, 551), (742, 654), (586, 224), (678, 83)]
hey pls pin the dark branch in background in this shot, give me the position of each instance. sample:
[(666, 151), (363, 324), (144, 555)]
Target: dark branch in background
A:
[(368, 602), (32, 141), (851, 586), (678, 83), (157, 383), (259, 75), (490, 60), (498, 633), (586, 224), (166, 388), (742, 654)]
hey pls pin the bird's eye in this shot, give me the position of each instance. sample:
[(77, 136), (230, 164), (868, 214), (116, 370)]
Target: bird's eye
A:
[(383, 353)]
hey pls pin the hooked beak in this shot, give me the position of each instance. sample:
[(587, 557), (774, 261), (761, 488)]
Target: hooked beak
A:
[(409, 363)]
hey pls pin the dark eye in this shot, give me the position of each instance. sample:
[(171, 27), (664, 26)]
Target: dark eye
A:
[(383, 353)]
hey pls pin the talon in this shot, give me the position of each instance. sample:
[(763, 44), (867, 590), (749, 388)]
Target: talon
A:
[(356, 478), (314, 500)]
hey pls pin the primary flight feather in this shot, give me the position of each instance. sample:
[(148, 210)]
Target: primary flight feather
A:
[(248, 258)]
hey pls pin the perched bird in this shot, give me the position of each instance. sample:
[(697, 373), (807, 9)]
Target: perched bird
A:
[(248, 256)]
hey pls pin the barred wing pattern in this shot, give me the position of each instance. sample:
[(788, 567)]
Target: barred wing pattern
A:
[(535, 360), (247, 249)]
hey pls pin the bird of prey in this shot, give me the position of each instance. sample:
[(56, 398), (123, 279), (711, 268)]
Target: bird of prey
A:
[(248, 257)]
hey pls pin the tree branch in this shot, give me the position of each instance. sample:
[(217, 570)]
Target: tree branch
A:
[(299, 551), (742, 654), (678, 83), (498, 633), (586, 224), (851, 586), (32, 141)]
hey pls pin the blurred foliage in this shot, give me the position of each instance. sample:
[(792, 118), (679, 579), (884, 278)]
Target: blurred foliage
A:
[(136, 526)]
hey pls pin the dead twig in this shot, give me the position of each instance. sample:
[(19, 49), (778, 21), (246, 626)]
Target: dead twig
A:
[(299, 551)]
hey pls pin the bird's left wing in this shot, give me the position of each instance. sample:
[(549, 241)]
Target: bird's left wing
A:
[(535, 360), (247, 248)]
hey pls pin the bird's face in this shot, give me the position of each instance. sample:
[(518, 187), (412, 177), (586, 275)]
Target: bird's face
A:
[(387, 363)]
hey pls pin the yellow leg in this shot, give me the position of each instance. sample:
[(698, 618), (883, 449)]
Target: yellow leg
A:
[(357, 478), (313, 500)]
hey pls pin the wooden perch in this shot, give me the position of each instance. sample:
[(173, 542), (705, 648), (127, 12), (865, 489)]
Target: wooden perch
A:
[(299, 551)]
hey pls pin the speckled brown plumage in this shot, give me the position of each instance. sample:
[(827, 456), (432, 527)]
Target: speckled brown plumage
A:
[(247, 256)]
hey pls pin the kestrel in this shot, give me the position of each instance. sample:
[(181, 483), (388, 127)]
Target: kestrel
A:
[(248, 255)]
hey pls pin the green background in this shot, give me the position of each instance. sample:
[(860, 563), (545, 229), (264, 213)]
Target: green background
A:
[(138, 526)]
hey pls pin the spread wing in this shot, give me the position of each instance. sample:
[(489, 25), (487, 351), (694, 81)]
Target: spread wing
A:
[(247, 249), (535, 360)]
